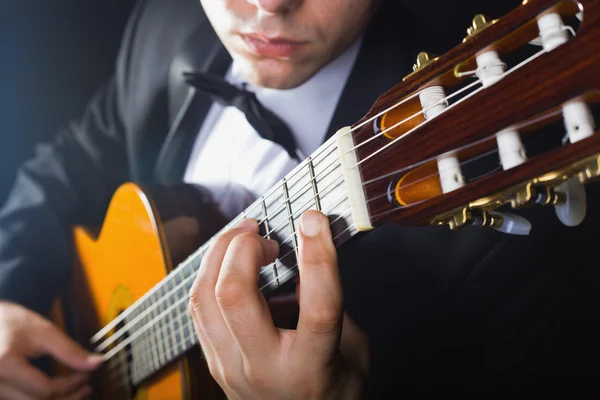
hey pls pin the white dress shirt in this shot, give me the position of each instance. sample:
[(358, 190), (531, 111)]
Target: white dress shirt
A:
[(231, 159)]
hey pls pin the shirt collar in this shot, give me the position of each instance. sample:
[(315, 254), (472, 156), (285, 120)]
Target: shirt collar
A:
[(307, 109)]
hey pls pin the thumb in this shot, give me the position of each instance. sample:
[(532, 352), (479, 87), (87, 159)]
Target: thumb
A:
[(51, 341)]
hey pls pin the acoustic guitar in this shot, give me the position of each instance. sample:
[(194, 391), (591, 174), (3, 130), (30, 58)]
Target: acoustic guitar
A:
[(408, 161)]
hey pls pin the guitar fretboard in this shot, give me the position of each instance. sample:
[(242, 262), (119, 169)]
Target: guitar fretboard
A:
[(159, 327)]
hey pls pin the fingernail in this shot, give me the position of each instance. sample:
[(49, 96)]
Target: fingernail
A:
[(310, 224), (246, 223), (95, 358)]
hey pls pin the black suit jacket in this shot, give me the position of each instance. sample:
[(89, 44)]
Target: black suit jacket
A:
[(471, 311)]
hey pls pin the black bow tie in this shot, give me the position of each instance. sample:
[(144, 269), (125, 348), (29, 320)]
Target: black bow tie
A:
[(267, 124)]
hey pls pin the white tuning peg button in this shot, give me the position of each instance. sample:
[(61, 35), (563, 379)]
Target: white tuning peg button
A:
[(513, 224), (572, 211)]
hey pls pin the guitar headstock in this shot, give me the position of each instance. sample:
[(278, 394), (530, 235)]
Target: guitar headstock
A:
[(470, 131)]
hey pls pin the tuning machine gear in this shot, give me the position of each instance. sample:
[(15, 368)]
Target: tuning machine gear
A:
[(423, 60), (568, 198), (504, 222), (480, 22)]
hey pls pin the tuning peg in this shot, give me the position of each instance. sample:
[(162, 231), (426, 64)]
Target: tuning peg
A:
[(578, 121), (423, 60), (552, 32), (571, 211), (511, 224), (480, 22)]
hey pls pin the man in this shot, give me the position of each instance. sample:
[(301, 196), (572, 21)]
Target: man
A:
[(462, 318)]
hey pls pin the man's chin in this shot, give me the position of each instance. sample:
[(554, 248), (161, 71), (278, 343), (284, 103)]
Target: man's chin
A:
[(276, 74)]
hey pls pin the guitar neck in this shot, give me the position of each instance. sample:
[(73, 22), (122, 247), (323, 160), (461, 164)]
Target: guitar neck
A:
[(164, 330)]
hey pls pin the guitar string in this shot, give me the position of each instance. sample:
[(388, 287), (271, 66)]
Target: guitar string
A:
[(163, 329), (282, 206), (181, 332), (183, 264), (183, 283), (123, 315), (150, 362), (506, 73), (401, 137), (383, 132), (163, 298), (155, 305), (517, 127), (125, 378), (165, 314), (327, 145), (301, 167), (431, 175), (117, 334)]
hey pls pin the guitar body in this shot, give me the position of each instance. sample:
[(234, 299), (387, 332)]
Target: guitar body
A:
[(117, 267)]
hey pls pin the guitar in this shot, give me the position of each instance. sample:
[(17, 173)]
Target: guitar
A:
[(406, 161)]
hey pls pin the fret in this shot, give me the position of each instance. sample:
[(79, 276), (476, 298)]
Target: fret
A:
[(191, 269), (155, 330), (330, 181), (171, 282), (144, 346), (157, 326), (150, 336), (143, 357), (137, 354), (187, 331), (265, 217), (187, 326), (311, 171), (290, 216), (332, 192), (177, 279), (194, 268), (303, 191), (165, 322)]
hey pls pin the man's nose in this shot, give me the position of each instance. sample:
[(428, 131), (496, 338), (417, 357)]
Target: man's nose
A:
[(276, 6)]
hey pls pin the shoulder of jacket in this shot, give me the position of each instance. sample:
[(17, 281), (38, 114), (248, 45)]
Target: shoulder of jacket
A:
[(164, 24), (154, 35)]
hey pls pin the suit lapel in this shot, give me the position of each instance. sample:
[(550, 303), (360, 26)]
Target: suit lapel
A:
[(204, 52)]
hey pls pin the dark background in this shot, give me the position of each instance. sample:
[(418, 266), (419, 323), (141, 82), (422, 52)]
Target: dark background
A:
[(53, 55)]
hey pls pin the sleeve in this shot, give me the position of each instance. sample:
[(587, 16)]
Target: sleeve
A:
[(68, 182)]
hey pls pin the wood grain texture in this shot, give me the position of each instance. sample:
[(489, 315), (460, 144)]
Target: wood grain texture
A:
[(567, 72)]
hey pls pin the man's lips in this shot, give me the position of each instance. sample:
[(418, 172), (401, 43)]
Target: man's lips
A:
[(277, 47)]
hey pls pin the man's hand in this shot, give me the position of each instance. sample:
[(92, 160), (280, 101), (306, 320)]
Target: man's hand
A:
[(25, 335), (247, 355)]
